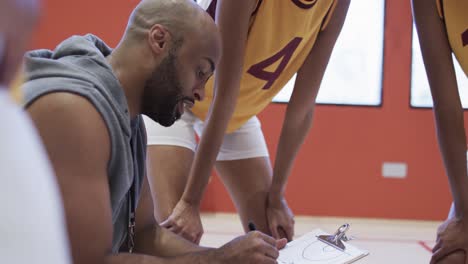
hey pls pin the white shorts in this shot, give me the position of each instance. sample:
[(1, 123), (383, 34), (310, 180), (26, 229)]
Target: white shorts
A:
[(246, 142)]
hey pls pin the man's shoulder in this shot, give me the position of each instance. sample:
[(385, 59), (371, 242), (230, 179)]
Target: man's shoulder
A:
[(72, 110), (69, 123)]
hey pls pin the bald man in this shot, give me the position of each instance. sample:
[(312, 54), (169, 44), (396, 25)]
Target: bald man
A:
[(86, 101)]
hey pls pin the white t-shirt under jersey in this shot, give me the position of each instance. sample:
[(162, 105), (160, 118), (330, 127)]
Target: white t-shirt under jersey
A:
[(32, 224)]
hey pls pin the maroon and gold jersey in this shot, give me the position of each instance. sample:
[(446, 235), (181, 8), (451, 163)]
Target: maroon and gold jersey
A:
[(455, 16), (281, 35)]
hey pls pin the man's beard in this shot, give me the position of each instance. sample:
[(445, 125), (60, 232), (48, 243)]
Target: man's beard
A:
[(163, 93)]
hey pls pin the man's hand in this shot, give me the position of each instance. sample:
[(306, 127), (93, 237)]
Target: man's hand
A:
[(17, 21), (452, 235), (280, 217), (185, 221), (252, 248)]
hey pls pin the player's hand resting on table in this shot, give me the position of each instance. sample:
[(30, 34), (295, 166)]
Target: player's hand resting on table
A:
[(452, 239), (280, 217)]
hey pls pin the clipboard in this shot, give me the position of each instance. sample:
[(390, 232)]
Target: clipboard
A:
[(319, 247), (336, 240)]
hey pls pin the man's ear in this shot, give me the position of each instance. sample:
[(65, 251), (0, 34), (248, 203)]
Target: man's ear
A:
[(158, 38)]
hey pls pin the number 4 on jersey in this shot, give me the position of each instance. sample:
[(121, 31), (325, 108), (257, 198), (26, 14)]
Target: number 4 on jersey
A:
[(258, 70)]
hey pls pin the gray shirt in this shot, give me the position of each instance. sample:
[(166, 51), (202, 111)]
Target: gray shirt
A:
[(78, 66)]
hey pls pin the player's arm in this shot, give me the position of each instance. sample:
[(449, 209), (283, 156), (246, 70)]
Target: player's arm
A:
[(78, 145), (448, 110), (232, 18), (299, 114)]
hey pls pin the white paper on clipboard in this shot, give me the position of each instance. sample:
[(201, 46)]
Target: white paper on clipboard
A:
[(309, 250)]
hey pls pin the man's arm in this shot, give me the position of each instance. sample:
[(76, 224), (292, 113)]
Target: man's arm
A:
[(448, 112), (77, 141), (78, 145), (233, 19), (298, 119), (255, 247)]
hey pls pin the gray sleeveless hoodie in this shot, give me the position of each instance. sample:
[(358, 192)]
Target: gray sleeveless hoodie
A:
[(78, 66)]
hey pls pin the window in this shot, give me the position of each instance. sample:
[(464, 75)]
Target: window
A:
[(420, 91), (354, 73)]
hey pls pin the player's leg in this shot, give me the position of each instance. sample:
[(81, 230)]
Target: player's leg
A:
[(170, 155), (244, 167), (248, 182)]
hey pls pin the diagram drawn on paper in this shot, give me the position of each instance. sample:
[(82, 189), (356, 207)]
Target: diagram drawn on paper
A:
[(308, 250)]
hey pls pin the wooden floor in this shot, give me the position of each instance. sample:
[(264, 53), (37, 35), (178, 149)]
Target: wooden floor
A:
[(388, 241)]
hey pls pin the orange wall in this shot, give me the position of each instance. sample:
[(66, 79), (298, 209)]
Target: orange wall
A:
[(338, 170)]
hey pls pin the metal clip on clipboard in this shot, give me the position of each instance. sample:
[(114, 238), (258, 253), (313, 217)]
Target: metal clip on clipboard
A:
[(336, 240)]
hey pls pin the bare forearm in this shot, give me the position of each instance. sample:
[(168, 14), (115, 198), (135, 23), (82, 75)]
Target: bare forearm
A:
[(292, 136), (450, 126), (226, 87), (132, 259), (154, 245), (452, 144), (301, 106), (207, 151), (227, 83), (437, 57), (232, 18), (157, 241), (200, 257)]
